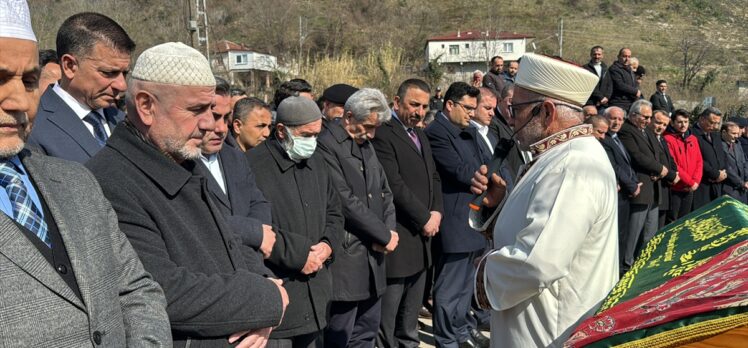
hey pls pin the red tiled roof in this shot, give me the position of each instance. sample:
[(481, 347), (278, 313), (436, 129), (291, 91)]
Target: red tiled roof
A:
[(223, 46), (467, 35)]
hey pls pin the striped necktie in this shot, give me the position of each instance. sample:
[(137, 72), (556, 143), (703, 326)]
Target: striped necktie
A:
[(94, 119), (24, 210)]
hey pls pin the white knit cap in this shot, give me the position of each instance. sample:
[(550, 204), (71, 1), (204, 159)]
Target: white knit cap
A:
[(15, 20), (173, 63), (555, 78)]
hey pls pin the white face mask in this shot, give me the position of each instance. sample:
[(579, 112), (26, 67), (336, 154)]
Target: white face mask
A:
[(300, 148)]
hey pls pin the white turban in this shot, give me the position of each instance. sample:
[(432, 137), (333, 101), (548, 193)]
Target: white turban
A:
[(15, 20), (173, 63), (555, 78)]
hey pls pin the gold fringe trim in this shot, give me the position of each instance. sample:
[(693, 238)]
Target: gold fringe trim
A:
[(690, 333)]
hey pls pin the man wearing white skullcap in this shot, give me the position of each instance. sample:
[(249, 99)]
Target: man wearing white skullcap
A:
[(555, 254), (69, 277), (216, 288)]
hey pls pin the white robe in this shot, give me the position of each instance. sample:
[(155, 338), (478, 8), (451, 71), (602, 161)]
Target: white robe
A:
[(556, 247)]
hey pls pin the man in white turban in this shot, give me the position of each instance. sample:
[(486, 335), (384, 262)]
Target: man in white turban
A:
[(555, 253), (68, 275), (217, 289)]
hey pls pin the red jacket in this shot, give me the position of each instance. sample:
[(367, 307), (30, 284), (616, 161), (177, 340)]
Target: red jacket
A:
[(687, 156)]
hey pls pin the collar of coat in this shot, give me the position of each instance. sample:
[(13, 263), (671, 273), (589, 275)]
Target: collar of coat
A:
[(162, 170)]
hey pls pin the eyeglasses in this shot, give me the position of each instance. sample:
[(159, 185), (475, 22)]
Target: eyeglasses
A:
[(536, 109), (514, 105), (468, 109)]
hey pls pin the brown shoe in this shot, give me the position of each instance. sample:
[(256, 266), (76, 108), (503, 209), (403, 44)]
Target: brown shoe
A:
[(424, 313)]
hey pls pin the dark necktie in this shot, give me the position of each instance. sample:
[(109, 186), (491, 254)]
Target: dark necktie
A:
[(620, 145), (24, 210), (94, 119), (414, 137)]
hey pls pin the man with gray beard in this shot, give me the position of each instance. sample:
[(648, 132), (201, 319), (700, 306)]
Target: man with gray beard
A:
[(149, 172)]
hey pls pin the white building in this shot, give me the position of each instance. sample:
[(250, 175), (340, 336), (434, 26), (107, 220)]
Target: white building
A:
[(463, 52), (242, 66)]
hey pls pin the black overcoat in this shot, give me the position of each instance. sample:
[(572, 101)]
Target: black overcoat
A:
[(306, 211), (182, 239), (359, 271)]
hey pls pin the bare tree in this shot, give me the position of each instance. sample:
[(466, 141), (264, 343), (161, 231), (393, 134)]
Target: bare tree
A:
[(695, 50)]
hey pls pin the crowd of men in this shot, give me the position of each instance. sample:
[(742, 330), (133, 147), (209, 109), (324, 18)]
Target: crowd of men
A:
[(155, 204)]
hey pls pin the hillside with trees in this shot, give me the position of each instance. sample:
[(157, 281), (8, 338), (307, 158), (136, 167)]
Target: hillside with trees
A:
[(697, 45)]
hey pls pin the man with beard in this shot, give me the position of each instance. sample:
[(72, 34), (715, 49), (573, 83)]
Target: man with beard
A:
[(232, 183), (359, 277), (494, 78), (148, 170), (78, 114), (601, 93), (405, 154), (69, 276), (554, 258), (307, 216)]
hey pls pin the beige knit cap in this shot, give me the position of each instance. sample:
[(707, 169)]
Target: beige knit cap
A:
[(173, 63), (15, 20), (555, 78)]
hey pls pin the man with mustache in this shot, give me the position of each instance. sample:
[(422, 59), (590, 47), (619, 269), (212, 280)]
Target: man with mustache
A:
[(69, 276), (78, 114), (215, 289), (405, 154)]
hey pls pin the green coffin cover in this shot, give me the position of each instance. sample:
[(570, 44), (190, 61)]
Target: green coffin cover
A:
[(683, 245)]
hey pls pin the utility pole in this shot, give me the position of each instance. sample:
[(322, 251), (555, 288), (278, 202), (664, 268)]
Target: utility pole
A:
[(198, 27), (561, 39)]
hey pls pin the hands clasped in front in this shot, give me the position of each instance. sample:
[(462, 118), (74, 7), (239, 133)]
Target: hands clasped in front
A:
[(258, 338)]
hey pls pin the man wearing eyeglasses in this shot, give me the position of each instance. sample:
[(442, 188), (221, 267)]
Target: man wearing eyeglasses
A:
[(642, 144), (555, 238), (457, 156)]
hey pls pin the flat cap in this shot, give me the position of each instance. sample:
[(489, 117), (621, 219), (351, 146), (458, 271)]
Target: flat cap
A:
[(297, 111), (173, 63), (339, 94)]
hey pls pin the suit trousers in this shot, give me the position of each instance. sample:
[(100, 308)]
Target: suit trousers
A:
[(623, 227), (453, 292), (642, 227), (401, 303), (681, 203), (310, 340), (353, 324)]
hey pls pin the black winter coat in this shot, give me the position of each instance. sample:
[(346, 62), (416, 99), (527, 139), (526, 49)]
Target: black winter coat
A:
[(306, 211), (359, 271), (624, 90), (182, 239)]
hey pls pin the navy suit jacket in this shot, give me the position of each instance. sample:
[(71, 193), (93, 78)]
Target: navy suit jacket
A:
[(59, 132), (245, 207), (621, 162), (457, 156)]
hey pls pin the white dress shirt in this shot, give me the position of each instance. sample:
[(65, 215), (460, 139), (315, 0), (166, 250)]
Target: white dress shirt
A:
[(214, 166), (81, 110)]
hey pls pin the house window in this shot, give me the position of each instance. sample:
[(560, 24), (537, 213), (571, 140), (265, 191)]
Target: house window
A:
[(483, 45), (454, 49), (508, 47), (241, 59), (467, 45)]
